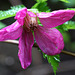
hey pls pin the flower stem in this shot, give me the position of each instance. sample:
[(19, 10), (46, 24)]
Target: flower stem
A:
[(68, 53), (12, 41), (35, 45)]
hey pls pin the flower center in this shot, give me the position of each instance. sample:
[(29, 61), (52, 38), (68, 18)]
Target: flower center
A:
[(30, 23)]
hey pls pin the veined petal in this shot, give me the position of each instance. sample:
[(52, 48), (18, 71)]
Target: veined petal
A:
[(11, 32), (20, 15), (26, 42), (50, 41), (55, 18)]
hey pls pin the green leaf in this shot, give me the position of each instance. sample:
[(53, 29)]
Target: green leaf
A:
[(40, 0), (44, 55), (2, 25), (71, 9), (33, 10), (41, 6), (66, 1), (54, 60), (11, 12), (66, 26), (69, 25)]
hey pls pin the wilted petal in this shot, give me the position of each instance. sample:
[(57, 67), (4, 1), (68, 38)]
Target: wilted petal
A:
[(50, 41), (55, 18), (11, 32), (25, 46), (20, 15)]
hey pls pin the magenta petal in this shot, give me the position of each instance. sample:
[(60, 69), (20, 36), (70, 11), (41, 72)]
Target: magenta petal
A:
[(11, 32), (50, 41), (31, 14), (26, 42), (55, 18), (20, 15)]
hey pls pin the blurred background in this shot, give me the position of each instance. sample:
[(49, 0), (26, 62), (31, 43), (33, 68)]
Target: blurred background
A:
[(9, 62)]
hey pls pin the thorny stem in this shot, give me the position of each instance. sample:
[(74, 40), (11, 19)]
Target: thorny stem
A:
[(35, 45)]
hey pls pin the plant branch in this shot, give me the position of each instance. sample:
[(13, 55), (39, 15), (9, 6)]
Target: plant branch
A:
[(35, 45), (68, 53)]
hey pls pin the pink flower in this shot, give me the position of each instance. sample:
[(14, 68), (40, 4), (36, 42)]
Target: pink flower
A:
[(49, 39)]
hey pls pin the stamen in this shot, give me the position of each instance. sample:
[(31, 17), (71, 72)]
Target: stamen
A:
[(30, 23)]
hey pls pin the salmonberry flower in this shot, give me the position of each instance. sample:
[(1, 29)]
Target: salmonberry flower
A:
[(49, 39)]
